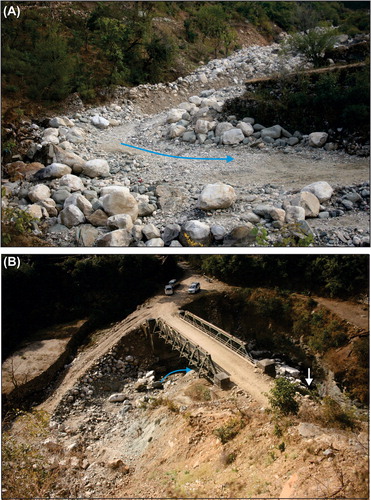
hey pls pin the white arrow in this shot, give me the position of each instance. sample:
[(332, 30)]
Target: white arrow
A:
[(308, 380)]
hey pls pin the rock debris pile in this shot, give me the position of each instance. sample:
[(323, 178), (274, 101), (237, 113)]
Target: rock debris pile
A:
[(79, 197)]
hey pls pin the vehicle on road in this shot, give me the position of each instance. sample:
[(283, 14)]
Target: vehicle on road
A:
[(169, 288), (194, 287)]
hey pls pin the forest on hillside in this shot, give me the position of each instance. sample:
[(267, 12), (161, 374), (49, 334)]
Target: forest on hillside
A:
[(58, 48), (52, 289)]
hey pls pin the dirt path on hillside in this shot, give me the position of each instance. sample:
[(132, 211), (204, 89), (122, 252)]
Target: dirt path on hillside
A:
[(356, 314)]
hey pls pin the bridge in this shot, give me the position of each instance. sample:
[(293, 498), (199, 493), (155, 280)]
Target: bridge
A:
[(215, 354)]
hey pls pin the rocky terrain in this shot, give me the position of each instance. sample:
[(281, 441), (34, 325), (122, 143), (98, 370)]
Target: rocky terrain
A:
[(84, 188)]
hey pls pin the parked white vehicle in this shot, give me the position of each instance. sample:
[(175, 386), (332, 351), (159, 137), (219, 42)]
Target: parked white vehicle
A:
[(194, 287)]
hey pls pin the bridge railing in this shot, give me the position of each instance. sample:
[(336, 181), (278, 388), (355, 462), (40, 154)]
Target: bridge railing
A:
[(220, 335), (195, 355)]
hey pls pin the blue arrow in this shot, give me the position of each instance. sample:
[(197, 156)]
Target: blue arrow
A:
[(227, 158), (175, 371)]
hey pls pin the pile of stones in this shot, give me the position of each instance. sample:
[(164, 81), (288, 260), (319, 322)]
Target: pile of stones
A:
[(84, 201)]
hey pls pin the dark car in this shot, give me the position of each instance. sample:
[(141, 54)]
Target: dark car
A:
[(169, 288)]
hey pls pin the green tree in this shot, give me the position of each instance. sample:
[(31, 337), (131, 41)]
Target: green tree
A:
[(282, 397), (50, 68), (212, 22)]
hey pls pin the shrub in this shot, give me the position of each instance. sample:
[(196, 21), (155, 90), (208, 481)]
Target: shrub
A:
[(334, 414), (15, 222), (313, 44), (199, 392), (230, 429), (282, 397)]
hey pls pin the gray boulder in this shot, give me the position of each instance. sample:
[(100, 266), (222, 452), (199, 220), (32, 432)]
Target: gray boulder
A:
[(175, 130), (321, 189), (79, 201), (174, 115), (155, 242), (246, 128), (171, 232), (222, 127), (118, 238), (54, 171), (96, 168), (38, 193), (71, 216), (68, 158), (240, 236), (86, 235), (214, 196), (120, 221), (317, 139), (151, 231), (195, 233), (73, 182), (57, 122), (273, 132), (233, 136), (120, 203), (309, 202), (99, 122), (294, 214), (189, 136)]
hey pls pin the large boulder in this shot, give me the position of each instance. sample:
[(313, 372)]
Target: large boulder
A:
[(120, 221), (309, 202), (233, 136), (294, 214), (175, 130), (171, 232), (317, 139), (57, 122), (78, 200), (240, 236), (75, 135), (321, 189), (118, 238), (222, 127), (202, 126), (99, 218), (195, 233), (86, 235), (273, 132), (120, 203), (189, 136), (38, 193), (73, 182), (151, 231), (170, 198), (96, 168), (71, 216), (155, 242), (174, 115), (246, 128), (99, 122), (54, 171), (68, 158), (214, 196)]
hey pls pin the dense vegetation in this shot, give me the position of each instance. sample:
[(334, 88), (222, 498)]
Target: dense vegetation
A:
[(47, 290), (341, 276), (57, 48)]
